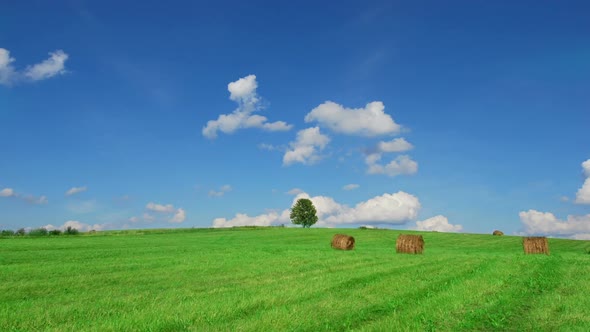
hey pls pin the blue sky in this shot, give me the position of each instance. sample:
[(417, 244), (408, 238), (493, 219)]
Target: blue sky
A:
[(462, 116)]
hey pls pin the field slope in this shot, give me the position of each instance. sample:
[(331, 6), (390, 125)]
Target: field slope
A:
[(260, 279)]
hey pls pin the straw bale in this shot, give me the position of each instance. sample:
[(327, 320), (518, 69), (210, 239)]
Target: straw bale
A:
[(409, 244), (343, 242), (535, 245)]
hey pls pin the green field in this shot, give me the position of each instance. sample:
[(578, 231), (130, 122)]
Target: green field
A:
[(261, 279)]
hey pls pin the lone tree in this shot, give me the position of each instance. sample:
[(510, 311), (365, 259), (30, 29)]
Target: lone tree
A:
[(303, 213)]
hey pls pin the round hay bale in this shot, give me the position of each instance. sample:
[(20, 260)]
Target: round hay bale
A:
[(343, 242), (409, 244), (535, 245), (498, 233)]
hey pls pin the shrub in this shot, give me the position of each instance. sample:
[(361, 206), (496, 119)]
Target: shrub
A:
[(55, 232), (38, 232), (20, 232), (7, 232), (71, 231)]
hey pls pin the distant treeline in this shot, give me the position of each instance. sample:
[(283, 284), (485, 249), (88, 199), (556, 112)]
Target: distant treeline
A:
[(39, 232)]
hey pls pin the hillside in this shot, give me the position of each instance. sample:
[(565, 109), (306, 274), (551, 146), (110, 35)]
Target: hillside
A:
[(289, 279)]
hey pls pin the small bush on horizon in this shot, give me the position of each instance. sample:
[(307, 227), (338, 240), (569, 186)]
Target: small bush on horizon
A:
[(20, 232), (55, 232), (7, 232), (71, 231), (38, 232)]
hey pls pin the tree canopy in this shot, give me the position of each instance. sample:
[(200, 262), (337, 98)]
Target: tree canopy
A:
[(303, 213)]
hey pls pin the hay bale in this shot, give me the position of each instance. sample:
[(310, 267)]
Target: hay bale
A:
[(498, 233), (343, 242), (535, 245), (409, 244)]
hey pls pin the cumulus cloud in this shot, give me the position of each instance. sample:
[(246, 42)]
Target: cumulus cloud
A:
[(305, 149), (395, 145), (241, 219), (80, 226), (583, 194), (7, 72), (396, 208), (179, 216), (295, 191), (75, 190), (437, 223), (36, 200), (243, 91), (146, 218), (176, 215), (368, 121), (402, 165), (267, 147), (586, 167), (160, 208), (351, 186), (54, 65), (585, 236), (7, 192), (546, 223), (224, 189)]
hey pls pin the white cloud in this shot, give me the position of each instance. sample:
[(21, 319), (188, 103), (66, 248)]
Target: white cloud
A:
[(7, 72), (402, 165), (295, 191), (545, 223), (224, 189), (146, 218), (179, 216), (395, 145), (75, 190), (585, 236), (168, 208), (351, 186), (35, 200), (54, 65), (7, 192), (266, 146), (583, 194), (80, 226), (437, 223), (397, 208), (368, 121), (243, 91), (586, 167), (306, 147), (267, 219)]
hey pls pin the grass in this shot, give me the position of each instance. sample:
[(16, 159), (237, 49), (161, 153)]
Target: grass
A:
[(260, 279)]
